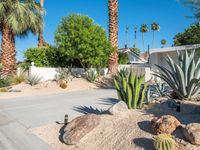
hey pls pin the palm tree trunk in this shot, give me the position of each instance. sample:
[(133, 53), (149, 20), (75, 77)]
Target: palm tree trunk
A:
[(143, 40), (153, 41), (8, 51), (113, 36), (41, 40)]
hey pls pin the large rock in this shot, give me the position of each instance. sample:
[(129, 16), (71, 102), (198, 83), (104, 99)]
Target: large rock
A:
[(118, 108), (192, 133), (165, 124), (79, 127)]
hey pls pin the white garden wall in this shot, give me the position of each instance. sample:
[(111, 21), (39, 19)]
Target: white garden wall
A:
[(50, 73)]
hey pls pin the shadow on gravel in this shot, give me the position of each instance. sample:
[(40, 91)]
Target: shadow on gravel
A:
[(89, 110), (108, 101), (145, 126), (144, 143), (61, 131)]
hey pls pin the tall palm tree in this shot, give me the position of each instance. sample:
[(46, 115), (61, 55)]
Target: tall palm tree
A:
[(154, 27), (113, 35), (41, 40), (143, 29), (163, 42), (17, 18)]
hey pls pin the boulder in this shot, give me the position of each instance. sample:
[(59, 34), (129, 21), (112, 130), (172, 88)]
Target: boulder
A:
[(192, 133), (165, 124), (79, 127), (118, 108)]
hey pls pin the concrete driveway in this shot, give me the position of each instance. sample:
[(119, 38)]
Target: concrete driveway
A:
[(18, 115)]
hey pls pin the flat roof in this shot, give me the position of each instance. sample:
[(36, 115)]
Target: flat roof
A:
[(175, 48)]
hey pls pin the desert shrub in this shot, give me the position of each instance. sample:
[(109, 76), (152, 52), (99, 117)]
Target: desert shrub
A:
[(183, 77), (63, 74), (3, 89), (4, 83), (164, 142), (91, 75), (123, 58), (34, 80), (79, 38), (19, 78), (160, 89), (130, 89)]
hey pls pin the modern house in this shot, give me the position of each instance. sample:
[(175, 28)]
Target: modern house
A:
[(132, 56), (157, 55)]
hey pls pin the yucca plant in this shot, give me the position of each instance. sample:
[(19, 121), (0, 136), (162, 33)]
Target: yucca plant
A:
[(130, 89), (91, 75), (164, 142), (183, 77), (34, 80)]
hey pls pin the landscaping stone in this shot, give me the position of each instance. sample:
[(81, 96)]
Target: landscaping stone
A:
[(165, 124), (79, 127), (192, 133), (118, 108)]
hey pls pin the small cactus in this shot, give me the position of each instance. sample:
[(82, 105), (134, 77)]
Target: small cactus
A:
[(63, 84), (164, 142)]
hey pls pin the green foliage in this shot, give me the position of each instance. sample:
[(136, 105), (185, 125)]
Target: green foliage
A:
[(63, 74), (155, 26), (189, 36), (123, 58), (34, 80), (91, 75), (130, 90), (163, 42), (144, 28), (38, 55), (164, 142), (4, 83), (184, 77), (79, 38)]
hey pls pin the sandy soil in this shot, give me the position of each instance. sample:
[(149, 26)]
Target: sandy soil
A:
[(128, 131), (47, 87)]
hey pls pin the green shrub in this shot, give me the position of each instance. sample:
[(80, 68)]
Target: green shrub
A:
[(164, 142), (123, 58), (130, 90), (4, 83), (184, 77), (91, 75), (34, 80), (79, 38)]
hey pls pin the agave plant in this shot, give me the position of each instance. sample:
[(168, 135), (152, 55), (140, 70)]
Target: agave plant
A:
[(130, 90), (34, 80), (183, 77), (161, 89), (64, 74), (91, 75)]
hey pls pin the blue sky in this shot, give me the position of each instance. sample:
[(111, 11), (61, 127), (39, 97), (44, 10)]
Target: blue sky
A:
[(168, 13)]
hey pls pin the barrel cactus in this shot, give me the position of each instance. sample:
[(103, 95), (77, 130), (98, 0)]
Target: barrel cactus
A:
[(130, 89), (63, 84), (164, 142), (183, 77)]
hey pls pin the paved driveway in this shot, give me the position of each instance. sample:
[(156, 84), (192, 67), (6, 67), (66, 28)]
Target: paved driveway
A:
[(20, 114)]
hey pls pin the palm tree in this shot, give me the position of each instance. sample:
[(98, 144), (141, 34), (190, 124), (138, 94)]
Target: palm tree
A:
[(154, 27), (41, 40), (113, 35), (194, 5), (17, 18), (163, 42), (143, 29)]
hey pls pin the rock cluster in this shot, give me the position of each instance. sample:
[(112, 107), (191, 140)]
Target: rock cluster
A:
[(164, 124)]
